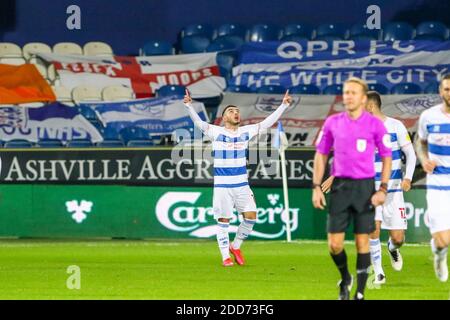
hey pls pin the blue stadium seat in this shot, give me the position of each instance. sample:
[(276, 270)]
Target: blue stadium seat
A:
[(50, 143), (194, 44), (18, 143), (231, 29), (80, 143), (225, 60), (134, 133), (406, 88), (271, 89), (109, 133), (2, 143), (432, 88), (305, 89), (171, 90), (296, 31), (432, 30), (334, 89), (263, 32), (398, 31), (225, 43), (239, 89), (197, 29), (157, 48), (111, 144), (361, 32), (88, 113), (331, 31), (140, 143), (381, 89)]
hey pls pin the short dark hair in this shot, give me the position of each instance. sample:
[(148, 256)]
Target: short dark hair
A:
[(375, 97), (445, 77), (227, 107)]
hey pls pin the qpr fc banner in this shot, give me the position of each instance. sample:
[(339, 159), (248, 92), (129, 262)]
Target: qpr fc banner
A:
[(198, 72), (324, 63), (305, 116)]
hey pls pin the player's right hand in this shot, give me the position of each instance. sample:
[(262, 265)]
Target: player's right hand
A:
[(326, 185), (318, 199), (187, 98), (287, 99), (429, 165)]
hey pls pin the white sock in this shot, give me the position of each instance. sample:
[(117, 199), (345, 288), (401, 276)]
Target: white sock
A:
[(244, 230), (223, 239), (442, 253), (375, 254), (391, 245)]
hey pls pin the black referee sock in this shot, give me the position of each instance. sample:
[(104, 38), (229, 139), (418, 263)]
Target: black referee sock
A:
[(362, 271), (340, 260)]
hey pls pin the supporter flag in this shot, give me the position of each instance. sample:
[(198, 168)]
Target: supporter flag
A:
[(51, 121), (23, 84)]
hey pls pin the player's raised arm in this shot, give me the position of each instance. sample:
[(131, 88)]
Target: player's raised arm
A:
[(193, 114), (272, 118)]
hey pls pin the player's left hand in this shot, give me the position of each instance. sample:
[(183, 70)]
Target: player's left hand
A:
[(406, 185), (378, 198), (287, 99)]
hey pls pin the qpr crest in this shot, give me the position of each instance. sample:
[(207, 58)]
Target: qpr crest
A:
[(13, 117), (268, 103), (416, 105)]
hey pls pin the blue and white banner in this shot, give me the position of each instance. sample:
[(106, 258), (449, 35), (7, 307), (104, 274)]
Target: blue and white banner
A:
[(159, 116), (51, 121), (324, 63)]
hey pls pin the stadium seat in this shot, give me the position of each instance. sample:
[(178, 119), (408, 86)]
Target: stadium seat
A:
[(432, 30), (111, 144), (42, 68), (140, 143), (50, 143), (198, 29), (186, 135), (67, 48), (15, 61), (231, 29), (225, 43), (361, 32), (263, 32), (334, 89), (406, 88), (239, 89), (86, 93), (194, 44), (171, 90), (97, 48), (34, 47), (296, 31), (80, 143), (109, 133), (134, 134), (157, 48), (272, 89), (398, 31), (63, 95), (18, 143), (330, 31), (432, 88), (10, 50), (381, 89), (305, 89), (51, 74), (117, 93)]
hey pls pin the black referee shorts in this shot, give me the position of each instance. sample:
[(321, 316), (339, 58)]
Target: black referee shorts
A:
[(350, 200)]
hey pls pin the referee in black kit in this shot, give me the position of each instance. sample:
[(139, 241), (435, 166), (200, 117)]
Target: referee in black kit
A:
[(354, 135)]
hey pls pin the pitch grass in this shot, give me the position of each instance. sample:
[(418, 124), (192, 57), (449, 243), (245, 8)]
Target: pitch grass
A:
[(121, 269)]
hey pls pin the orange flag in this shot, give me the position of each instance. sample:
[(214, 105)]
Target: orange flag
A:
[(23, 84)]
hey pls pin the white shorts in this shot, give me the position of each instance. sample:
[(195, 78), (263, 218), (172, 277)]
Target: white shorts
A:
[(438, 202), (225, 200), (392, 213)]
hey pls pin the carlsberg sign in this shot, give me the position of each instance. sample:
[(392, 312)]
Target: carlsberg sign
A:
[(190, 214)]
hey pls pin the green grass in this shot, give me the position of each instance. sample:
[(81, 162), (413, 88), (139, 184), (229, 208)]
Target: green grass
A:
[(36, 269)]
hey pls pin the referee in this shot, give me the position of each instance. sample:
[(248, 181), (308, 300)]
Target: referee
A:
[(353, 135)]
